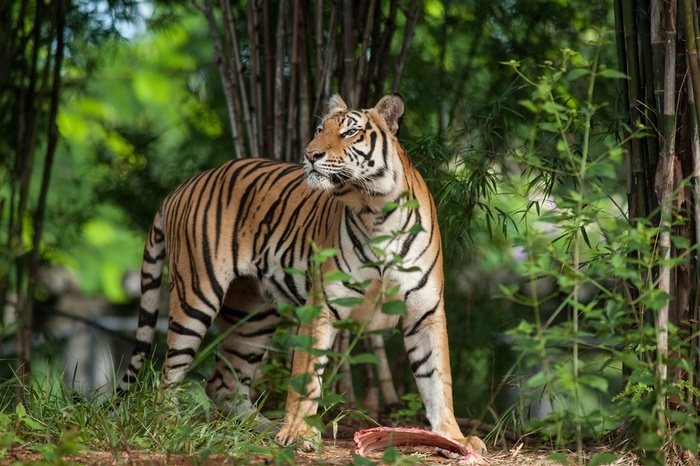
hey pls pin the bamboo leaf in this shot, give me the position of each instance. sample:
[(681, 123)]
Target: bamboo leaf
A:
[(613, 74)]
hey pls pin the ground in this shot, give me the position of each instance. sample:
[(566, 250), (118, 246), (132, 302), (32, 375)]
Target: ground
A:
[(333, 453)]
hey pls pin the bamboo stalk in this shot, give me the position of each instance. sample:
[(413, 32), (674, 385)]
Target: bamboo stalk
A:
[(269, 98), (224, 75), (411, 21), (348, 77), (692, 53), (292, 110), (650, 146), (305, 118), (384, 48), (29, 112), (256, 107), (635, 187), (237, 72), (362, 61), (319, 42), (692, 38), (323, 88), (278, 109), (665, 182), (59, 20)]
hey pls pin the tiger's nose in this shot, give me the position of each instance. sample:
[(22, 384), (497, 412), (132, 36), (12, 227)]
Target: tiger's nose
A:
[(313, 155)]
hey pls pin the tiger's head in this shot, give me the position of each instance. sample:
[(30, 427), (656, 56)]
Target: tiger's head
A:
[(356, 151)]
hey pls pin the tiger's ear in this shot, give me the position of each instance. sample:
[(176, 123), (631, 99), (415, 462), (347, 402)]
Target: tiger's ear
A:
[(391, 108), (336, 104)]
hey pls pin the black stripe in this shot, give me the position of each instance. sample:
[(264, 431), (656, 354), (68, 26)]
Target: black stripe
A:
[(180, 352), (424, 279), (416, 364), (250, 358), (154, 283), (142, 347), (425, 375), (203, 317), (416, 327), (147, 318), (233, 316), (182, 330), (267, 330)]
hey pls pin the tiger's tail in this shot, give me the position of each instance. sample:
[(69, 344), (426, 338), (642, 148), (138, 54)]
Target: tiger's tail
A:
[(151, 278)]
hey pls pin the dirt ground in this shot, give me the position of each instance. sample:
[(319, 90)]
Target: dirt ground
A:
[(333, 453)]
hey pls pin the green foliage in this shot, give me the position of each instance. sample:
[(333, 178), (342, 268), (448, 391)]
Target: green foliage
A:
[(594, 321)]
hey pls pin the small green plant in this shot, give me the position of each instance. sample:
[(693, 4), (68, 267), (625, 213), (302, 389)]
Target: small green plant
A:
[(412, 404)]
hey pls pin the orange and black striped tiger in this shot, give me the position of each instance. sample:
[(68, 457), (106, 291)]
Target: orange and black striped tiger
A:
[(230, 233)]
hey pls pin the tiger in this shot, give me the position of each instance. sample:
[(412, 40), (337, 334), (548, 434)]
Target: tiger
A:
[(231, 234)]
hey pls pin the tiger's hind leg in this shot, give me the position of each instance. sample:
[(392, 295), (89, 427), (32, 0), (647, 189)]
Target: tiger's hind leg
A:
[(248, 321)]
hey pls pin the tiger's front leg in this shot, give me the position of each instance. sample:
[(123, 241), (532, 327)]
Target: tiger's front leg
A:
[(302, 405), (425, 338)]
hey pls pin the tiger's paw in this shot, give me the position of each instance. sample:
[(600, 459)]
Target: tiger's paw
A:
[(475, 443), (306, 438)]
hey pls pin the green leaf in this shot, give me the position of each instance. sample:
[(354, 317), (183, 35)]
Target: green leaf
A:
[(300, 383), (391, 455), (539, 380), (338, 276), (415, 229), (285, 309), (380, 239), (602, 458), (358, 460), (308, 313), (300, 341), (558, 458), (347, 324), (411, 204), (594, 381), (347, 302), (577, 73), (392, 290), (613, 74), (389, 207), (323, 255), (680, 241), (602, 170), (364, 358), (394, 308)]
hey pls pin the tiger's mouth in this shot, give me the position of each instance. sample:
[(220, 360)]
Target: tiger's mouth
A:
[(335, 179)]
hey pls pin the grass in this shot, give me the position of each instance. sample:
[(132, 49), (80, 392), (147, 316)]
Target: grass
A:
[(57, 422)]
